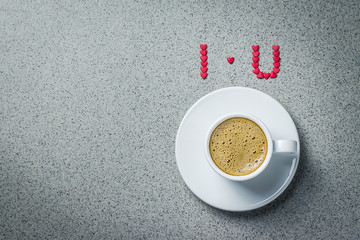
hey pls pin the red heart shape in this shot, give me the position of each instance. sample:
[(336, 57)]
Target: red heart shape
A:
[(255, 53), (204, 69), (203, 46), (203, 75), (203, 58), (256, 71), (276, 70), (266, 75), (255, 59), (273, 74), (203, 52), (255, 48), (275, 47), (276, 64), (260, 75), (204, 64), (276, 53), (230, 60), (276, 59), (255, 65)]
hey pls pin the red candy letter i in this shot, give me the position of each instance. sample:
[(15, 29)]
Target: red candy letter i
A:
[(203, 58)]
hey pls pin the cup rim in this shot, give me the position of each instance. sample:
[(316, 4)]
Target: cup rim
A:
[(268, 154)]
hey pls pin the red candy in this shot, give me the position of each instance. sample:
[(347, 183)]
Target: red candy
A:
[(255, 53), (276, 70), (204, 69), (203, 75), (203, 52), (204, 64), (276, 53), (275, 47), (203, 58), (230, 60), (203, 46), (255, 64)]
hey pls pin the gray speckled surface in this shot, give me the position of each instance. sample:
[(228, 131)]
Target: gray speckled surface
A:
[(92, 95)]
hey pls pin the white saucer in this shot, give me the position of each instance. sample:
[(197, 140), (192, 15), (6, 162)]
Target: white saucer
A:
[(214, 189)]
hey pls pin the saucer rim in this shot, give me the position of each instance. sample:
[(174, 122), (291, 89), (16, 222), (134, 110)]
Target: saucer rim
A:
[(294, 160)]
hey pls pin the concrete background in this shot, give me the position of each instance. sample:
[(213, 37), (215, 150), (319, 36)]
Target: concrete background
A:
[(92, 94)]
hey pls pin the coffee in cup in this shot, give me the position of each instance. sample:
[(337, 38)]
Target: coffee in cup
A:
[(238, 146)]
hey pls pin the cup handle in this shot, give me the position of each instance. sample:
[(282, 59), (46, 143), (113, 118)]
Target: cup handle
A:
[(285, 146)]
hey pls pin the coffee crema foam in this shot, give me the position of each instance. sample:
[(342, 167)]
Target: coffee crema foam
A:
[(238, 146)]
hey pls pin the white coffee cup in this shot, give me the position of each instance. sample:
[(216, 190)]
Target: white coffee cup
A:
[(282, 146)]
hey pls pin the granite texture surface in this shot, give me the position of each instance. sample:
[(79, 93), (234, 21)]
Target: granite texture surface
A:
[(92, 94)]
